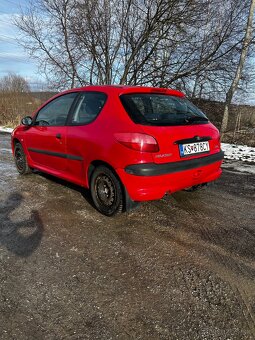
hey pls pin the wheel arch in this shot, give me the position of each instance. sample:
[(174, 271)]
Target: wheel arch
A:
[(95, 164), (25, 168), (15, 140)]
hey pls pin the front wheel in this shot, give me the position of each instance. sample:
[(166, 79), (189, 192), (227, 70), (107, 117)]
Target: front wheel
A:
[(106, 191), (21, 160)]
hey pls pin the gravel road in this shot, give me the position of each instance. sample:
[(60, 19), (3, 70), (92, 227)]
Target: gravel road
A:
[(179, 268)]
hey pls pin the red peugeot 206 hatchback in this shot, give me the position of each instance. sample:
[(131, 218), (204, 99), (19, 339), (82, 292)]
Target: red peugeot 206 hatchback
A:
[(126, 144)]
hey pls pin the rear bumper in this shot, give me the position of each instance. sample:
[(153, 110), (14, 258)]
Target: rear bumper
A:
[(152, 181), (152, 169)]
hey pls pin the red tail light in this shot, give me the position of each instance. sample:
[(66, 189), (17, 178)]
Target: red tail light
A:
[(138, 141)]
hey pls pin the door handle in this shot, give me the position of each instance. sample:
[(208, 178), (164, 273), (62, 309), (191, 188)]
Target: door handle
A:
[(58, 135)]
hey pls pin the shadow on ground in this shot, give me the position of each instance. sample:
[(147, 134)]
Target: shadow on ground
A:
[(20, 237)]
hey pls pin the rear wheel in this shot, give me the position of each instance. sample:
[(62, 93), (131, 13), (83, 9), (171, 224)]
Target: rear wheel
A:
[(106, 191), (21, 160)]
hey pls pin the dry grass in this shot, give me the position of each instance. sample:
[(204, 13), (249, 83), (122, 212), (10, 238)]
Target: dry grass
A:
[(14, 106)]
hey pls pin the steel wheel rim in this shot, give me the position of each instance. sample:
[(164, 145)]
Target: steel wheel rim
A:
[(105, 190)]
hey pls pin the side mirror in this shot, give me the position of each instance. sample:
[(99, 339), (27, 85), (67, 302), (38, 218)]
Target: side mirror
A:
[(27, 121)]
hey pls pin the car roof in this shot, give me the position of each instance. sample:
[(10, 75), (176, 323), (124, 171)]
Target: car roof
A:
[(117, 89), (124, 89)]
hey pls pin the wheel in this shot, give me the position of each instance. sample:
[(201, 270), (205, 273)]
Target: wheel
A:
[(106, 191), (21, 160)]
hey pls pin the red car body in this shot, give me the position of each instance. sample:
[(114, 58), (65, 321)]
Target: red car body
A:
[(72, 152)]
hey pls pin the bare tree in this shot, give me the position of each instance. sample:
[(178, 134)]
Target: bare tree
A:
[(234, 84), (13, 83), (204, 59), (46, 26), (119, 38), (102, 41), (15, 99), (191, 45)]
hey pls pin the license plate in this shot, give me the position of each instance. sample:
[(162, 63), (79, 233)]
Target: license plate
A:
[(193, 148)]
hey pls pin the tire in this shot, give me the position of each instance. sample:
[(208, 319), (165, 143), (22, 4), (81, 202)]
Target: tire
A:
[(21, 160), (106, 191)]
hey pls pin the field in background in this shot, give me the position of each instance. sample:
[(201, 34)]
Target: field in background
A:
[(14, 106), (241, 127)]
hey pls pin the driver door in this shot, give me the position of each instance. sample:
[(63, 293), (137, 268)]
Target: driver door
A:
[(46, 138)]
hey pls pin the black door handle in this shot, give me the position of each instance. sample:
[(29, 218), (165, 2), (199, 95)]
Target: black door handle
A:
[(58, 135)]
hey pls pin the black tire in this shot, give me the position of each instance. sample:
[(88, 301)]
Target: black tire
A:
[(106, 191), (21, 160)]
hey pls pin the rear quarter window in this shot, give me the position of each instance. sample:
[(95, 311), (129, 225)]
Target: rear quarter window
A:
[(88, 107)]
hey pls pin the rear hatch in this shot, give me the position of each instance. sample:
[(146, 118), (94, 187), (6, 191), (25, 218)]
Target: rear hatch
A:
[(181, 130), (178, 143)]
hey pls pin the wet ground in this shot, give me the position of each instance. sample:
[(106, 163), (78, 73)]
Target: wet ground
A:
[(179, 268)]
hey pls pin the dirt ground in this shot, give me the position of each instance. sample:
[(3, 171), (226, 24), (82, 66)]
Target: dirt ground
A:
[(179, 268)]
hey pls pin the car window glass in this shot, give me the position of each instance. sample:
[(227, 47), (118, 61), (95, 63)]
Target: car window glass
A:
[(55, 113), (88, 107), (161, 109)]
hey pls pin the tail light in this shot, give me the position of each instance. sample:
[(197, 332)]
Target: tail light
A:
[(138, 141), (218, 141)]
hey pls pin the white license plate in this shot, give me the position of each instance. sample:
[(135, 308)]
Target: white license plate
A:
[(193, 148)]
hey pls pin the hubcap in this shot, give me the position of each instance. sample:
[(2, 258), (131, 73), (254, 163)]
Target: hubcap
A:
[(105, 190)]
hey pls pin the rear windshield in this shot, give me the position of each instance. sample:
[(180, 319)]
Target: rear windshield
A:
[(161, 109)]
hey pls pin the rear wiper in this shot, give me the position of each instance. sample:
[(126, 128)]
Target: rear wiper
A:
[(195, 119)]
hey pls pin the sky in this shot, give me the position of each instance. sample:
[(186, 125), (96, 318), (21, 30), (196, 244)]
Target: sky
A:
[(13, 58)]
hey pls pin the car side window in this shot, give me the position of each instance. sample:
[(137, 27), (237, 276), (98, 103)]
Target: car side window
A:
[(55, 113), (88, 107)]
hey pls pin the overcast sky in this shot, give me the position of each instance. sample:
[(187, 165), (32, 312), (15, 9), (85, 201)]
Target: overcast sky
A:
[(13, 58)]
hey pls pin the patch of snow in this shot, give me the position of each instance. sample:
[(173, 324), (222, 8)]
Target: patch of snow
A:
[(237, 152), (5, 129), (240, 158)]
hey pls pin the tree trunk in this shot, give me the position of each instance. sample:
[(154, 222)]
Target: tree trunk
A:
[(234, 84)]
